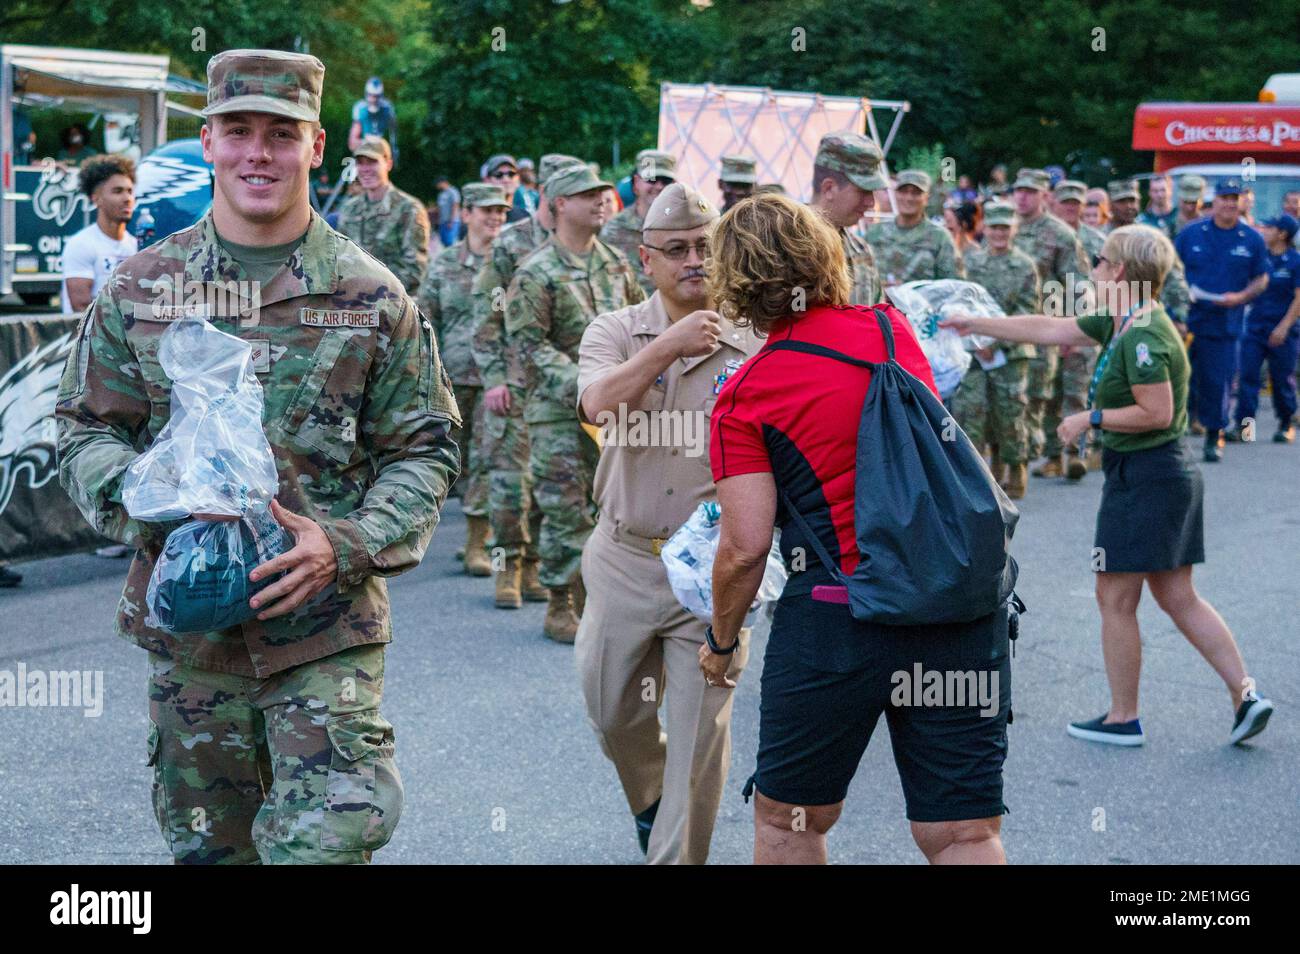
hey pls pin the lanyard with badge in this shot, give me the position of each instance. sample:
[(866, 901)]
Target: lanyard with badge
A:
[(1102, 361)]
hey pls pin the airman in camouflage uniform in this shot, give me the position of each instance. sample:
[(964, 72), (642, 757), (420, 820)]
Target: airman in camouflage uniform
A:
[(1058, 254), (515, 517), (992, 406), (445, 298), (554, 295), (737, 178), (266, 738), (911, 248), (387, 222), (654, 170), (846, 171)]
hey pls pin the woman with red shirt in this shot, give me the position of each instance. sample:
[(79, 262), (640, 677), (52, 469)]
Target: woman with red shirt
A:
[(789, 420)]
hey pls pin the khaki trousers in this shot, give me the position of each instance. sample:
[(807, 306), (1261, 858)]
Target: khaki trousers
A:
[(637, 650)]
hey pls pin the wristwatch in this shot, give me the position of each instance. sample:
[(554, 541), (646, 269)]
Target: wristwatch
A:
[(714, 647), (1095, 417)]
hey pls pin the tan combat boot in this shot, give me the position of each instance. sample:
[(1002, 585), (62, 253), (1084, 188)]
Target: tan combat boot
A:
[(532, 587), (1049, 468), (1017, 480), (508, 595), (476, 557), (561, 623)]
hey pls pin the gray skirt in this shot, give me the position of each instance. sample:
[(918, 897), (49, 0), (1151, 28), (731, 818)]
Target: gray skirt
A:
[(1151, 517)]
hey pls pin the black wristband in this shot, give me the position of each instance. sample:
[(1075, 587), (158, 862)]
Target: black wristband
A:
[(713, 646)]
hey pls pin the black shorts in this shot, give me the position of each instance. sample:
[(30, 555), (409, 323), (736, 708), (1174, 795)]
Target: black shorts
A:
[(949, 742)]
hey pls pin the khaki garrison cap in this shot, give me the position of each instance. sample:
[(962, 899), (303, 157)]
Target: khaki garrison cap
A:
[(483, 195), (1071, 190), (572, 180), (913, 177), (1035, 179), (677, 209), (855, 156), (999, 213), (740, 169), (265, 81), (375, 147), (655, 164), (1122, 189)]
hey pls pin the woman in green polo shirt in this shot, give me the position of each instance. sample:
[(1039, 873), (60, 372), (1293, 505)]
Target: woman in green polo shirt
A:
[(1149, 525)]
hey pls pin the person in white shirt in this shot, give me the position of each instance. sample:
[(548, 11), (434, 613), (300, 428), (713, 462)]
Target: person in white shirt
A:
[(90, 256)]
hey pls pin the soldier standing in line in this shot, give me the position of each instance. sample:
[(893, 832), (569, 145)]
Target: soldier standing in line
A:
[(846, 173), (911, 248), (514, 516), (387, 222), (554, 295), (266, 739), (992, 402), (1124, 199), (1191, 203), (445, 298), (654, 171), (736, 179)]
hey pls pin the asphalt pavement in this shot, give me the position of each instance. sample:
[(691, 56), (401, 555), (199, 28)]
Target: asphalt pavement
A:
[(500, 766)]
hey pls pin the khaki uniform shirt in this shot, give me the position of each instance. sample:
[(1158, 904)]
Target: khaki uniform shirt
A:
[(650, 489)]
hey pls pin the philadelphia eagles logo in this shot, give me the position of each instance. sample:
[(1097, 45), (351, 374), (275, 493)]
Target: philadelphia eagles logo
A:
[(168, 177), (28, 392), (57, 196)]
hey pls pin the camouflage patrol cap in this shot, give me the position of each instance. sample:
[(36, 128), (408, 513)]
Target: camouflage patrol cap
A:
[(483, 195), (1122, 189), (740, 169), (913, 177), (656, 164), (374, 147), (571, 180), (855, 156), (551, 162), (265, 81), (1036, 179), (1070, 190), (1191, 188), (677, 209), (999, 213)]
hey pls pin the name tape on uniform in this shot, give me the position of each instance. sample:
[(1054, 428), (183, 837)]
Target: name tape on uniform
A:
[(327, 318), (157, 311)]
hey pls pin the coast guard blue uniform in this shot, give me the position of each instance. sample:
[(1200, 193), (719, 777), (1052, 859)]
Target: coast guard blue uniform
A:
[(1265, 313)]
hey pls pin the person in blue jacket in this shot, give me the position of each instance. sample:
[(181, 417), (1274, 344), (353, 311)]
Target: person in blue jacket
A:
[(1273, 334), (1227, 266)]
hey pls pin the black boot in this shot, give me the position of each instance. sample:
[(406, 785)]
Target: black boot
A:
[(645, 821)]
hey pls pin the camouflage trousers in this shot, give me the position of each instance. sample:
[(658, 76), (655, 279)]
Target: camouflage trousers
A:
[(516, 518), (992, 407), (472, 437), (1069, 396), (296, 768), (1042, 372), (562, 461)]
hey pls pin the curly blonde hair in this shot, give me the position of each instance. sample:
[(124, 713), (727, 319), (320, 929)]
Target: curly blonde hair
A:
[(771, 258)]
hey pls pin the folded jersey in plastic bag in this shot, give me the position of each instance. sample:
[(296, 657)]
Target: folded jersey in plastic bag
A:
[(926, 304), (688, 557)]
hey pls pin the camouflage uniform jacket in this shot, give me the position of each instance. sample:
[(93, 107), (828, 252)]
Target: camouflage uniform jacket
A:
[(921, 253), (1012, 280), (496, 364), (1091, 239), (444, 299), (394, 230), (552, 298), (357, 412), (623, 232), (1054, 247), (863, 277)]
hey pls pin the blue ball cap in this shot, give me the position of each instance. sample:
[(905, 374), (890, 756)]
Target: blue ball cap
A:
[(1228, 187), (1285, 223)]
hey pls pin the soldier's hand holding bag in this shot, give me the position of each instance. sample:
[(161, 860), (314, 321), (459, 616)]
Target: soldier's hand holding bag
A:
[(212, 458)]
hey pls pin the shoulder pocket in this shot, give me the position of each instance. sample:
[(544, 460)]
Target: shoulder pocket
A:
[(323, 411)]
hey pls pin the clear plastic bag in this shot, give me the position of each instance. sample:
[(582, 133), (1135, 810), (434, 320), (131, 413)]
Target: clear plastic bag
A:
[(688, 557), (212, 457), (926, 304)]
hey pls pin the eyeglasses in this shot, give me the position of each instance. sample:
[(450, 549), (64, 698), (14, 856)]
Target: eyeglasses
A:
[(1098, 259), (676, 251), (504, 174)]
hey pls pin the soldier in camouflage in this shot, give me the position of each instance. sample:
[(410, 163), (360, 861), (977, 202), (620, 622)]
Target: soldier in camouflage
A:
[(992, 406), (554, 295), (846, 171), (387, 222), (654, 170), (911, 248), (737, 178), (1191, 199), (266, 739), (1063, 270), (445, 298), (514, 515)]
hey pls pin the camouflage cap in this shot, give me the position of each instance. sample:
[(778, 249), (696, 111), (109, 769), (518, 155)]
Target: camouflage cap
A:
[(376, 147), (552, 162), (571, 180), (1037, 179), (677, 209), (1070, 190), (856, 156), (483, 195), (1122, 189), (1191, 188), (500, 159), (265, 81), (740, 169), (999, 213), (913, 177), (654, 164)]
